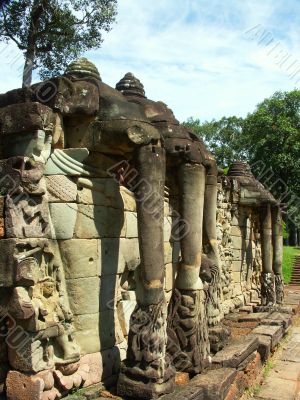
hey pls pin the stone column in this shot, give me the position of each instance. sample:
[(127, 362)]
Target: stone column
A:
[(187, 325), (267, 278), (210, 214), (210, 245), (277, 253), (146, 372)]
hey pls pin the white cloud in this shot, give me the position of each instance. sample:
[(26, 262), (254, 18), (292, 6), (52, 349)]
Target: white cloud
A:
[(193, 54)]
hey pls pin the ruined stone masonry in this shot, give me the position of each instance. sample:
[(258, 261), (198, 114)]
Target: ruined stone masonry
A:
[(122, 245)]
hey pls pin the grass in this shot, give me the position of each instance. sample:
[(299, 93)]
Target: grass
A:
[(289, 254), (267, 368)]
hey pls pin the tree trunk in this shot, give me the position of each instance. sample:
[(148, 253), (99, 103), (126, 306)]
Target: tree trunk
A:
[(28, 67), (36, 13)]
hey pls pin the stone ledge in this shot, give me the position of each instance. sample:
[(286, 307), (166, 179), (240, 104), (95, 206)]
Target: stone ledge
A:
[(234, 354)]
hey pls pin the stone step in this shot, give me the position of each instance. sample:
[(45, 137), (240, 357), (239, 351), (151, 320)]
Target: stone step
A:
[(237, 352), (210, 385)]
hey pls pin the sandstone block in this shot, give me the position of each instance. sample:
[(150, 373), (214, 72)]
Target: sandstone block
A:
[(80, 257), (100, 331), (60, 189), (6, 262), (131, 225), (101, 365), (22, 387), (125, 310), (170, 273), (274, 332), (257, 317), (93, 294), (117, 254), (25, 117), (99, 222), (234, 354), (100, 192), (129, 202), (167, 228), (63, 218)]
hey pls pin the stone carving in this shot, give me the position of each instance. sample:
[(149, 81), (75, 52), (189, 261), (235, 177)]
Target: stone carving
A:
[(279, 288), (188, 344), (37, 307), (251, 192), (267, 289), (197, 182), (54, 313), (147, 346), (115, 224)]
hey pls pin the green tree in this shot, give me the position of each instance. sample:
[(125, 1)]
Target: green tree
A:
[(224, 138), (51, 33), (269, 139), (272, 132)]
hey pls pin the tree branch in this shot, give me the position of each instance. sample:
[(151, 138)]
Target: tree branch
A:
[(8, 34)]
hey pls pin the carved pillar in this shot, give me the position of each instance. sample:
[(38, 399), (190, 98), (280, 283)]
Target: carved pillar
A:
[(267, 279), (146, 372), (277, 253), (187, 325), (210, 245), (210, 212)]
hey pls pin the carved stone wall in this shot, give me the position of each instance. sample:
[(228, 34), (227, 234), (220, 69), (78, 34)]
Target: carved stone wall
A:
[(72, 298)]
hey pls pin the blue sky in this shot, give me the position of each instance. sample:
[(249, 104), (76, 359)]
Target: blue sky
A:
[(201, 57)]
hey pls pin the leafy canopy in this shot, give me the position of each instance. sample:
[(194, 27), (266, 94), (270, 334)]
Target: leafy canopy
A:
[(268, 138), (51, 33)]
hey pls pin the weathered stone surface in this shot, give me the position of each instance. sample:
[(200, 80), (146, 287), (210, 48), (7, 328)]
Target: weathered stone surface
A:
[(264, 347), (100, 331), (188, 344), (291, 352), (101, 365), (131, 225), (245, 378), (129, 202), (1, 217), (275, 332), (253, 317), (22, 387), (48, 379), (6, 262), (218, 338), (210, 385), (99, 222), (63, 218), (93, 294), (60, 188), (125, 310), (170, 273), (277, 389), (71, 98), (71, 162), (140, 390), (234, 354), (80, 257), (52, 394), (277, 318), (100, 192), (27, 217), (118, 254), (25, 117), (107, 256)]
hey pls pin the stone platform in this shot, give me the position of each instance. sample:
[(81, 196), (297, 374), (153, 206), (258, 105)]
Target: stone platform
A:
[(256, 333)]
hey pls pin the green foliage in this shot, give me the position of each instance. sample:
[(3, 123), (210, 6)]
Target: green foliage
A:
[(51, 33), (285, 233), (289, 254), (269, 139), (223, 138)]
